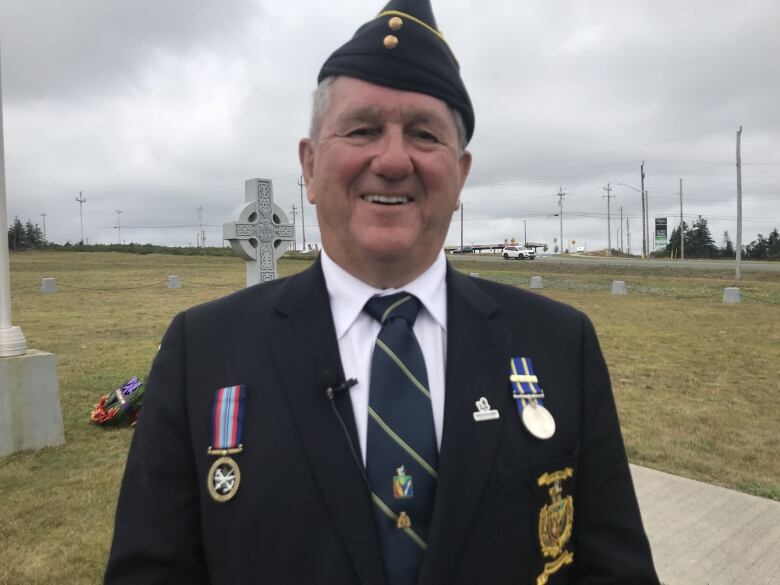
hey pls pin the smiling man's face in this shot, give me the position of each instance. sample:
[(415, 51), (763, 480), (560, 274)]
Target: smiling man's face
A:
[(385, 173)]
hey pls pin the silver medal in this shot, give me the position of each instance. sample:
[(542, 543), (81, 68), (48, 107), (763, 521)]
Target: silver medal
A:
[(538, 420)]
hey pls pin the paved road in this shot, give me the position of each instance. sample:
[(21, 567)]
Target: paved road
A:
[(726, 265), (702, 534)]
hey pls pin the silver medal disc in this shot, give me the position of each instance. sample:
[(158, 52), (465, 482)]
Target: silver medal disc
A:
[(538, 420)]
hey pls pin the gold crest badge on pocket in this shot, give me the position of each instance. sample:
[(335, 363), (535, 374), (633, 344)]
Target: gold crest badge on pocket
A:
[(556, 520)]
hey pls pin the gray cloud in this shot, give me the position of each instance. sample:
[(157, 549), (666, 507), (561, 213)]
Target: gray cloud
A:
[(158, 108)]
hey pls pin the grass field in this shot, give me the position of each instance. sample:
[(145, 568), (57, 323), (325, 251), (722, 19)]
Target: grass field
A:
[(696, 381)]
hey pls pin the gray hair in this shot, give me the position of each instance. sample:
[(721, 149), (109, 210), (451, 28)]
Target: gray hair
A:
[(321, 101)]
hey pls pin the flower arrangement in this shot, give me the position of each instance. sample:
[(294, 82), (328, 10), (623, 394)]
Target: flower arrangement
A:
[(120, 406)]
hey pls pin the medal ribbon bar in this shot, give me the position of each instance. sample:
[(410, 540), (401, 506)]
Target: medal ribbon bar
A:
[(228, 420), (525, 384)]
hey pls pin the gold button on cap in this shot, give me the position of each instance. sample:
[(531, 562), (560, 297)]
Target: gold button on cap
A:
[(391, 42), (395, 23)]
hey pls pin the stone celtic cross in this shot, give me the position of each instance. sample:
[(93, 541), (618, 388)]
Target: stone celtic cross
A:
[(260, 231)]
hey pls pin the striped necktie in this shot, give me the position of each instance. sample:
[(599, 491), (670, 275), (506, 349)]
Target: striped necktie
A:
[(401, 452)]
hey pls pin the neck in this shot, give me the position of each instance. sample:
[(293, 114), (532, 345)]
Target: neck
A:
[(385, 273)]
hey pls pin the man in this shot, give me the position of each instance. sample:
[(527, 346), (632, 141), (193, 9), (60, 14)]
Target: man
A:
[(380, 418)]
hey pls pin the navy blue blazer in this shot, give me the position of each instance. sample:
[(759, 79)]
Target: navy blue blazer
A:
[(510, 508)]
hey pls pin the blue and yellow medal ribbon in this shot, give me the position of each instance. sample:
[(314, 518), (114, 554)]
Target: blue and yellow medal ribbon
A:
[(525, 384)]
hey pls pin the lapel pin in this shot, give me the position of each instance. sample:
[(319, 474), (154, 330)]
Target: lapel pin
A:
[(402, 485), (484, 412), (403, 521), (530, 399)]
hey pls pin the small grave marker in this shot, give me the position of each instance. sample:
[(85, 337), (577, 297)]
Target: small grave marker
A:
[(731, 295), (49, 285), (619, 287)]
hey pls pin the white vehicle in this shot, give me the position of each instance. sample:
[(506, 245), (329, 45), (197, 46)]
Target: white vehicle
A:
[(518, 252)]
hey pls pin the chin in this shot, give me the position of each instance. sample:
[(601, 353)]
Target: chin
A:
[(388, 253), (383, 242)]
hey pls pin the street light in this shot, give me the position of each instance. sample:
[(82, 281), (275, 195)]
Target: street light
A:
[(525, 233), (644, 229)]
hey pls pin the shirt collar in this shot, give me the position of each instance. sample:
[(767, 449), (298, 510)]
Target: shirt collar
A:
[(348, 294)]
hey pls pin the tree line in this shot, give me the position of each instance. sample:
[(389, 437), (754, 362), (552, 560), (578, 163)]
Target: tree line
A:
[(697, 238), (25, 236), (699, 243)]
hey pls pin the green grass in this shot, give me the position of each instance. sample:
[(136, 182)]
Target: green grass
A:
[(696, 381)]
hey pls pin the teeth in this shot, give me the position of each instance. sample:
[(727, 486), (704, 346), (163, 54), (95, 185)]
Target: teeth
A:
[(386, 199)]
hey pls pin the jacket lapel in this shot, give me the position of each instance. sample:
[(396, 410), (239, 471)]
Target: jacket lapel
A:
[(305, 345), (477, 350)]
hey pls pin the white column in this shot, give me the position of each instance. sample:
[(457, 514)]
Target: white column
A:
[(12, 341)]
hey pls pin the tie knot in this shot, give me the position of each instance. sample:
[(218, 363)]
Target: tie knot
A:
[(401, 304)]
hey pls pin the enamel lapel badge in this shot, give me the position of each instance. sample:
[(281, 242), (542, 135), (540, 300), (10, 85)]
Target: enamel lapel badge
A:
[(530, 398), (224, 476), (484, 412), (403, 488)]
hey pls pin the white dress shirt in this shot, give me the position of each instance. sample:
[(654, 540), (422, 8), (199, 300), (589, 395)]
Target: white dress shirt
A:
[(357, 331)]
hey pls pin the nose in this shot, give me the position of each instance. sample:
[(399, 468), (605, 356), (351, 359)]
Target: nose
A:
[(392, 161)]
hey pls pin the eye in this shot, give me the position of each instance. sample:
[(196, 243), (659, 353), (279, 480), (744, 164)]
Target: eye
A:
[(362, 132), (425, 135)]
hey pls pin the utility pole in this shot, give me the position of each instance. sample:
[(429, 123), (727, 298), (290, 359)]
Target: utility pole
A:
[(525, 233), (301, 184), (628, 234), (461, 227), (119, 226), (650, 241), (200, 219), (43, 215), (682, 231), (294, 213), (644, 212), (561, 195), (622, 249), (739, 204), (608, 189), (81, 200)]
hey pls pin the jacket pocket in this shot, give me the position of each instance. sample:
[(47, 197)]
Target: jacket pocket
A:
[(515, 478)]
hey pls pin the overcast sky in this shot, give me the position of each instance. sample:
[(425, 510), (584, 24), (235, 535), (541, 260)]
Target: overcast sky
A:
[(158, 108)]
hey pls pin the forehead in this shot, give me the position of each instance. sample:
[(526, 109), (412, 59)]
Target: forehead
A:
[(349, 96)]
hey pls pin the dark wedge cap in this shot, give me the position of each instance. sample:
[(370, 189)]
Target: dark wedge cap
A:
[(403, 48)]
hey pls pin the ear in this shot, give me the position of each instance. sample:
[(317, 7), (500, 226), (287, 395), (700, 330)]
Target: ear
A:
[(306, 157), (464, 165)]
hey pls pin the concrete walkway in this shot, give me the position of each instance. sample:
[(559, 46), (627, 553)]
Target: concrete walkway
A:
[(707, 535)]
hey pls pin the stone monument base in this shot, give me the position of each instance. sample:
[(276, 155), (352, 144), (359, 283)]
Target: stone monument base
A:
[(30, 415)]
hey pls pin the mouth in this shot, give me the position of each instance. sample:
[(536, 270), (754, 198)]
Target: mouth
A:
[(386, 199)]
